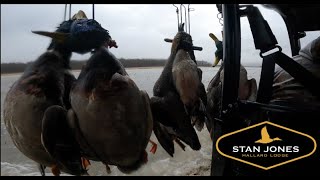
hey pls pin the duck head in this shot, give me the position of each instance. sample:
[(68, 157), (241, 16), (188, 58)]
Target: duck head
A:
[(79, 35), (183, 40), (219, 51)]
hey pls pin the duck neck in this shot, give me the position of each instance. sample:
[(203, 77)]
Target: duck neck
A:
[(66, 55)]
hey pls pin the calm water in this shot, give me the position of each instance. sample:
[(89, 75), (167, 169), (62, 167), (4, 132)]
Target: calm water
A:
[(186, 162)]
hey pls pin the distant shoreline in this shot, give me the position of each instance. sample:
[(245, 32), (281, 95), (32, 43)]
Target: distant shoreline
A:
[(78, 70), (17, 67), (142, 67)]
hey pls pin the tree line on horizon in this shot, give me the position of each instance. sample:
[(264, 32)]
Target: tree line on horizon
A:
[(77, 64)]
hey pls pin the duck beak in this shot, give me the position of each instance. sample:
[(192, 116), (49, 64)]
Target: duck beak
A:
[(58, 36), (79, 15), (216, 62), (214, 37), (216, 40)]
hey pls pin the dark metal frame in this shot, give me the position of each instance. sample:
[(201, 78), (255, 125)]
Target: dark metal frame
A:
[(231, 57), (231, 60)]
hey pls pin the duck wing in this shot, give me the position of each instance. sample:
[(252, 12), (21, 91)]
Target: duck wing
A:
[(164, 138), (59, 142), (215, 80), (149, 118), (86, 149), (161, 110), (213, 105), (164, 110), (187, 81), (161, 116), (200, 113)]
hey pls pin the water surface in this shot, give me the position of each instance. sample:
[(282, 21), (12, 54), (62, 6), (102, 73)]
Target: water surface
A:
[(187, 162)]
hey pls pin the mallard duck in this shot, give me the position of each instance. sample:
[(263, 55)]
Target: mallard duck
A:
[(188, 84), (110, 116), (35, 108), (178, 96), (35, 114), (247, 88)]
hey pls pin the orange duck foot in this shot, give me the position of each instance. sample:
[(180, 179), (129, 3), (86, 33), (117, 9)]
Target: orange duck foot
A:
[(55, 170), (154, 147), (85, 163)]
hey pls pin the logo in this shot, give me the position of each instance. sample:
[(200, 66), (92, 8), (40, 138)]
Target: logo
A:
[(265, 138), (266, 145)]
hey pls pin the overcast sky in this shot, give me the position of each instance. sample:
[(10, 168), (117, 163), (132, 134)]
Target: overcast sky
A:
[(138, 29)]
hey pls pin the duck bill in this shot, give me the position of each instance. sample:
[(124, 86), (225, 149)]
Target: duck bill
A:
[(58, 36), (213, 37), (216, 62), (79, 15)]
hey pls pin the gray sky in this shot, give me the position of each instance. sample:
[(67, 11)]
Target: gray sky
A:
[(138, 29)]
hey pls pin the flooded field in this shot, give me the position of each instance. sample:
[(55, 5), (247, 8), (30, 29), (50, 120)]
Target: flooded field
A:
[(188, 162)]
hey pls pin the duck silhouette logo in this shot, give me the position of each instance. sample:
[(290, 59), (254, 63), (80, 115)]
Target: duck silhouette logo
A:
[(265, 138)]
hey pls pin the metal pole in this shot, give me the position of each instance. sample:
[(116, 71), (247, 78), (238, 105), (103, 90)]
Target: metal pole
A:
[(181, 13), (231, 55), (231, 63), (93, 11), (177, 11), (185, 17), (69, 11), (189, 10), (65, 12), (189, 18)]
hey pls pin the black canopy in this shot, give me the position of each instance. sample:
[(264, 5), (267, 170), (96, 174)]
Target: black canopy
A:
[(298, 18)]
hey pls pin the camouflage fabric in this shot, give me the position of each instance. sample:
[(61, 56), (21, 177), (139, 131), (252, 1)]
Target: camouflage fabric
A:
[(286, 88)]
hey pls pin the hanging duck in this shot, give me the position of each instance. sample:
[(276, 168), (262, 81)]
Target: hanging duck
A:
[(179, 96), (247, 88), (187, 81), (110, 116), (35, 110)]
